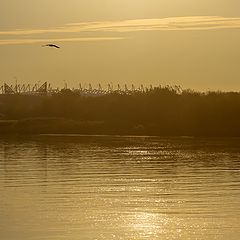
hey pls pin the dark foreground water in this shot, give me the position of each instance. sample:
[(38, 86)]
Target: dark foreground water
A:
[(104, 188)]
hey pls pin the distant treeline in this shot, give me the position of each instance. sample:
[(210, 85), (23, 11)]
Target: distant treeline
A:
[(161, 111)]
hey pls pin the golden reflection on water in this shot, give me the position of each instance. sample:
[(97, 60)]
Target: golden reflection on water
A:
[(148, 224), (100, 188)]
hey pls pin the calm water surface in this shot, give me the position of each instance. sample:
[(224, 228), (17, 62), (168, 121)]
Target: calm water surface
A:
[(104, 188)]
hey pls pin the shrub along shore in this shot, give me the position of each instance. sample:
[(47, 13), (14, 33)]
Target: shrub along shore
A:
[(159, 112)]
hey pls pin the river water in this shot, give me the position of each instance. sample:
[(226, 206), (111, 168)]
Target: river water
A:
[(104, 188)]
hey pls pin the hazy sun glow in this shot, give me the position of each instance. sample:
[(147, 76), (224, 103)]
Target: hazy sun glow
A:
[(189, 43)]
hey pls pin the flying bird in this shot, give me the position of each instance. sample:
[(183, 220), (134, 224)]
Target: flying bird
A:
[(51, 45)]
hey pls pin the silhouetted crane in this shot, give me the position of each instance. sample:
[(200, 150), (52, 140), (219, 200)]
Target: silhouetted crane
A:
[(51, 45)]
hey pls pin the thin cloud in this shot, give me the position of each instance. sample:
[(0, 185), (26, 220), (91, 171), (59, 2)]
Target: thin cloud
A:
[(33, 41), (156, 24)]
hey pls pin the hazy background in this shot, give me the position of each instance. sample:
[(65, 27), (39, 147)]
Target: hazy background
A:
[(199, 59)]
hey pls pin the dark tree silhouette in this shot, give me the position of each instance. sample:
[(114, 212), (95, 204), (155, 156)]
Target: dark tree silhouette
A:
[(162, 111)]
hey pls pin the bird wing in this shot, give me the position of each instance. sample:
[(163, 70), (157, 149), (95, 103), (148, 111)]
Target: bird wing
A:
[(51, 45)]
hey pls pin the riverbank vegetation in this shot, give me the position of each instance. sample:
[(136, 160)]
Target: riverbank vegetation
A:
[(162, 111)]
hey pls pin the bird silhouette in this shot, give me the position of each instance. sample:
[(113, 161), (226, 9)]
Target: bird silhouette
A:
[(51, 45)]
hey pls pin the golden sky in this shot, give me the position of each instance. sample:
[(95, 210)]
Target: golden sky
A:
[(192, 43)]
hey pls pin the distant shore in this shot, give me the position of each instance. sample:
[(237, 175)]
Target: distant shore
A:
[(158, 112)]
